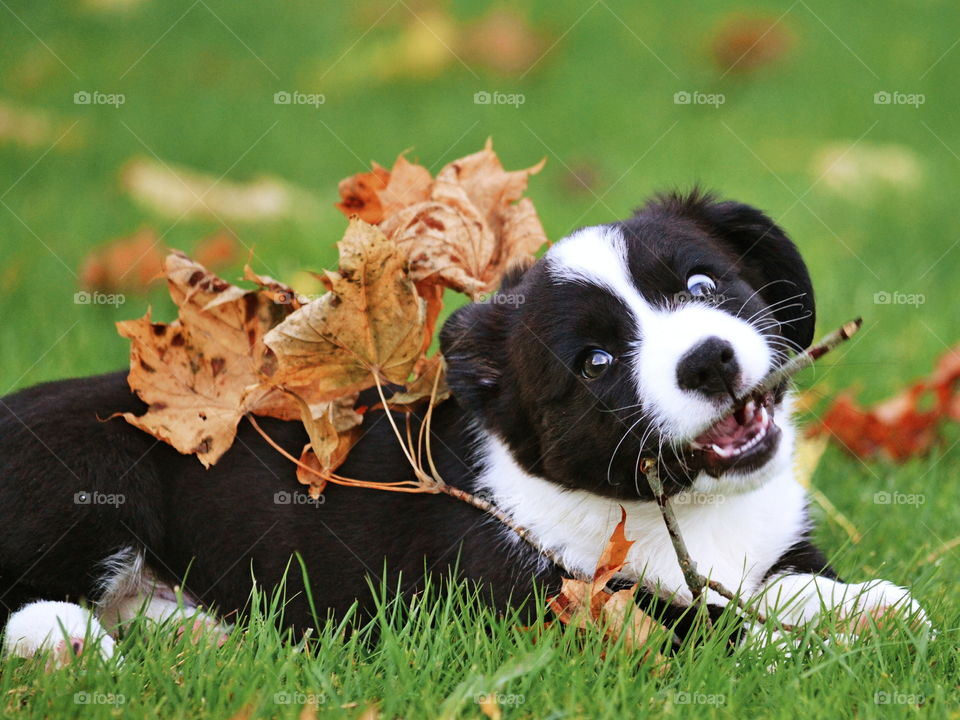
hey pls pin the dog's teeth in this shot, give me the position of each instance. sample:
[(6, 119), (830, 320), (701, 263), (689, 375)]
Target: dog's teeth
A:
[(764, 416)]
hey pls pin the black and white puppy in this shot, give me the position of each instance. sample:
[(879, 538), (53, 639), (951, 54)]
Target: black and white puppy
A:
[(616, 345)]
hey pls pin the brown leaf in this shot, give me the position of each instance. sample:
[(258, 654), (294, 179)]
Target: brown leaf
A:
[(201, 373), (433, 373), (128, 263), (503, 40), (898, 428), (409, 183), (473, 228), (614, 554), (370, 323), (744, 44), (588, 604), (333, 430)]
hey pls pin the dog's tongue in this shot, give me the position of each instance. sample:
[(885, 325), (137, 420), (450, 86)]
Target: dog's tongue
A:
[(726, 432), (734, 429)]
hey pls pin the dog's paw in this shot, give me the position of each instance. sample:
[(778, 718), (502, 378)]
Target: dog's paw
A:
[(878, 603), (63, 631)]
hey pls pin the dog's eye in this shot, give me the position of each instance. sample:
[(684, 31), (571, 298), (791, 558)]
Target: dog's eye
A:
[(595, 363), (700, 285)]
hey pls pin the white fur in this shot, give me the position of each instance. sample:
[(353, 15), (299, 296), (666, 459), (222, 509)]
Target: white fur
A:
[(735, 527), (799, 598), (54, 627), (735, 538), (598, 255)]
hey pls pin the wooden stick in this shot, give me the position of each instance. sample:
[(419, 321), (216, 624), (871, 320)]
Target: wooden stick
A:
[(790, 368)]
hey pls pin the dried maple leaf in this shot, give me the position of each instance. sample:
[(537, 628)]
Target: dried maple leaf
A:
[(431, 382), (588, 604), (201, 373), (897, 428), (461, 231), (376, 195), (370, 323), (333, 430)]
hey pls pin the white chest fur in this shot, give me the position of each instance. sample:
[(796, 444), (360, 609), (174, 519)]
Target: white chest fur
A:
[(733, 538)]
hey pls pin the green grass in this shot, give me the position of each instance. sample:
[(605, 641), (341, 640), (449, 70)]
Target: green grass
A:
[(602, 98)]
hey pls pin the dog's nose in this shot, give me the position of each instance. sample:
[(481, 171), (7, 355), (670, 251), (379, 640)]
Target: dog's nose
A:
[(710, 367)]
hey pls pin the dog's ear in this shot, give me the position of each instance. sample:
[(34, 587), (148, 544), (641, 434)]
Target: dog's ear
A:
[(771, 262), (472, 341)]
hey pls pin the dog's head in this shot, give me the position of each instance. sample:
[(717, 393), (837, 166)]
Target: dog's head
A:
[(625, 338)]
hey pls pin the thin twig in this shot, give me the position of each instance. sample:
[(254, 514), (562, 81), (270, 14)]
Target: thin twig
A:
[(790, 368)]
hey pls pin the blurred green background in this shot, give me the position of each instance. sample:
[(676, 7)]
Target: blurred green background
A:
[(837, 118), (783, 113)]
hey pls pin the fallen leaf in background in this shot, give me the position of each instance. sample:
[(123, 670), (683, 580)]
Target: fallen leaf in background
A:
[(371, 323), (903, 426), (858, 171), (588, 604), (34, 128), (502, 40), (743, 44), (422, 49), (218, 250), (131, 263), (489, 707), (181, 193), (425, 40), (581, 178)]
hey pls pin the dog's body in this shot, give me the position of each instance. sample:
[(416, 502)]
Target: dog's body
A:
[(617, 345)]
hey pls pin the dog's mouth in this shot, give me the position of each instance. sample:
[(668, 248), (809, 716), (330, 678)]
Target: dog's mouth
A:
[(744, 440)]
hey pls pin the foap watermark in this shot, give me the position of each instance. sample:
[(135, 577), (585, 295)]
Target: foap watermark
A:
[(500, 699), (684, 296), (95, 97), (299, 698), (895, 97), (882, 697), (501, 298), (99, 698), (94, 497), (296, 498), (695, 97), (495, 97), (898, 498), (699, 698), (898, 298), (696, 498), (283, 97), (85, 297)]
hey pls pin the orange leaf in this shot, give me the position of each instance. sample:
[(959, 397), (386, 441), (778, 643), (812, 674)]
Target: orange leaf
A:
[(360, 194)]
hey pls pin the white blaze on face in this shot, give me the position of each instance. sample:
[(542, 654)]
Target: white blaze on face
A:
[(598, 256)]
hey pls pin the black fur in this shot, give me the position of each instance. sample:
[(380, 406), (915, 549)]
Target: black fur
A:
[(509, 362)]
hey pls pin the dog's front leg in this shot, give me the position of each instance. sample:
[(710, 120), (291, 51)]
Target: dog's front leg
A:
[(800, 598)]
